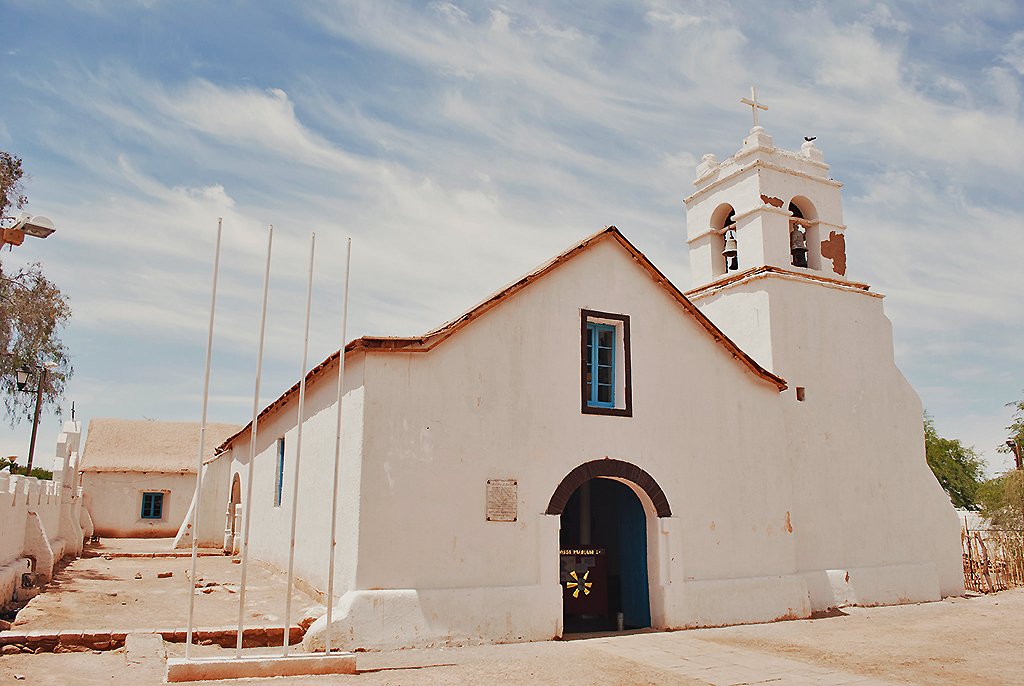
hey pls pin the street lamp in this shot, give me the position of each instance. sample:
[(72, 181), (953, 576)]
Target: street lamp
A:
[(37, 227), (24, 377)]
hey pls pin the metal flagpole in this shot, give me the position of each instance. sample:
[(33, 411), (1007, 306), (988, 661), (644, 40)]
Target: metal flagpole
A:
[(298, 449), (202, 446), (252, 448), (337, 452)]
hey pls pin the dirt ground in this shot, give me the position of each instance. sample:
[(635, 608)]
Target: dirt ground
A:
[(972, 640), (94, 592)]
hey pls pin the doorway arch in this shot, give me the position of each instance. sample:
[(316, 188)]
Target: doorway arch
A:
[(608, 468), (231, 530), (609, 546)]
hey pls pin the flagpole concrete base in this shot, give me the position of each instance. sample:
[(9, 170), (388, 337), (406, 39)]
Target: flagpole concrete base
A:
[(253, 666)]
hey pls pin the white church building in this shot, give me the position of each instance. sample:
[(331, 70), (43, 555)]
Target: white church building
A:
[(592, 447)]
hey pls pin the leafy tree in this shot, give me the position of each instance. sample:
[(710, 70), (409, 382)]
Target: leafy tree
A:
[(12, 193), (33, 312), (1016, 427), (958, 468), (1002, 500), (11, 465)]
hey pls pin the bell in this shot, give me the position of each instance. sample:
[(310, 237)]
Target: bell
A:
[(798, 245), (731, 261), (730, 248)]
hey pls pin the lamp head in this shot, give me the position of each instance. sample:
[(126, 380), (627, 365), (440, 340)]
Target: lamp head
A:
[(24, 375)]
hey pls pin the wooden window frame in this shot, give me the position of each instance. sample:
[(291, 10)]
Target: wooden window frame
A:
[(624, 357)]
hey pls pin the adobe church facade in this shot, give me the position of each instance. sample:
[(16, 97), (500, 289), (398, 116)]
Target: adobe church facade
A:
[(591, 447)]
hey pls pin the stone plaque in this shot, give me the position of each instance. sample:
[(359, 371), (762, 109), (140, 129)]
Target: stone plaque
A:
[(502, 500)]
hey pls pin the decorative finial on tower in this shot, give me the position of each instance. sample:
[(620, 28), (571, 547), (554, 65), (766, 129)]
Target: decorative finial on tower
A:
[(754, 106)]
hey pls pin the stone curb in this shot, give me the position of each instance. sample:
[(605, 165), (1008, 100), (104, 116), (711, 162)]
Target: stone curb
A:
[(210, 552), (78, 640)]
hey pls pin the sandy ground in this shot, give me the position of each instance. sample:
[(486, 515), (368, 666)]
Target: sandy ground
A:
[(94, 592), (974, 640), (971, 640)]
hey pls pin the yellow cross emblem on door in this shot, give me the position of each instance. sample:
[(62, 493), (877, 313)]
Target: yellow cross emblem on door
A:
[(578, 584)]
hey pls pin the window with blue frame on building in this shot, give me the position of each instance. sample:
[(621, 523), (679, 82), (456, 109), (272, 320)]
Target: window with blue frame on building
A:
[(153, 505), (606, 384), (279, 473), (600, 365)]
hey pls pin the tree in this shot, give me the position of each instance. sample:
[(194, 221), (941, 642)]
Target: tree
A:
[(958, 468), (1002, 500), (33, 313), (1016, 427), (12, 193)]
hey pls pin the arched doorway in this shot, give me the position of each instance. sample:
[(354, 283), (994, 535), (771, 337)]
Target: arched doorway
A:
[(231, 528), (607, 509), (603, 551)]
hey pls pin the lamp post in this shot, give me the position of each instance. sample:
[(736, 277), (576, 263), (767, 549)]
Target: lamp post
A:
[(24, 376)]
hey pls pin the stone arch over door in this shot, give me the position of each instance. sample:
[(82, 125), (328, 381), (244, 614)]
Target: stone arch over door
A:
[(608, 468)]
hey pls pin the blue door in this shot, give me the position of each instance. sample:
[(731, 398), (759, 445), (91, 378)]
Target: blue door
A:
[(636, 604)]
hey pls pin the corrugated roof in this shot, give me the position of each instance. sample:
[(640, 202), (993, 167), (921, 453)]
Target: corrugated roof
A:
[(142, 445), (426, 342)]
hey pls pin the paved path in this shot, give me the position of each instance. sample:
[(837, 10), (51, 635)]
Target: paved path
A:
[(683, 654)]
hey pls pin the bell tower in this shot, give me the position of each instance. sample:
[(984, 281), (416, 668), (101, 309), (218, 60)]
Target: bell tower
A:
[(767, 247), (765, 207)]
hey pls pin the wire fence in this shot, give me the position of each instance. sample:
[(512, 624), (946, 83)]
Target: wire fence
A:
[(993, 559)]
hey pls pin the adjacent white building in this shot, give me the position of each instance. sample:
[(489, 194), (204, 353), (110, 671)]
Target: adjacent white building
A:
[(591, 442), (139, 475)]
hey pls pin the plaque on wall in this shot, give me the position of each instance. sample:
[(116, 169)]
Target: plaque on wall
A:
[(502, 500)]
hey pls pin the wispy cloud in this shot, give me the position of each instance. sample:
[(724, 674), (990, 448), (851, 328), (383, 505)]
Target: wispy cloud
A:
[(461, 144)]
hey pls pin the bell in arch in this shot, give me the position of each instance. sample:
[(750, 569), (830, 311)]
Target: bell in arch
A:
[(730, 255), (798, 245)]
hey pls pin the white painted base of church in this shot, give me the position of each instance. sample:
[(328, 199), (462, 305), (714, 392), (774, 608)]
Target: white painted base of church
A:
[(384, 620), (390, 619)]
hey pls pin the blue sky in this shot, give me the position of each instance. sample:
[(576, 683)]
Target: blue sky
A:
[(461, 144)]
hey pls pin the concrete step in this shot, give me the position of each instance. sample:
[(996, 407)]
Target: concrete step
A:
[(71, 640)]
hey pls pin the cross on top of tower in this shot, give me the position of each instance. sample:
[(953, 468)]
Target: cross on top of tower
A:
[(754, 104)]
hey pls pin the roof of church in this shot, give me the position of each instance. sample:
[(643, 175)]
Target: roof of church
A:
[(427, 341), (143, 445)]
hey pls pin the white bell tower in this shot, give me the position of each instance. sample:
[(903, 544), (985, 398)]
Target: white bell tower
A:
[(768, 252), (771, 202)]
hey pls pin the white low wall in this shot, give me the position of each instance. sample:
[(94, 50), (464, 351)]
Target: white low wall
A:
[(40, 521)]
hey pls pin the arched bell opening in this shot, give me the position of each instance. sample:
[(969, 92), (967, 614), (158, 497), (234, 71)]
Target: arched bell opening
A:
[(609, 547), (804, 236), (725, 257)]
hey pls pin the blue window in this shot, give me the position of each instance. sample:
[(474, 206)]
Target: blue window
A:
[(152, 505), (600, 365), (279, 478), (606, 383)]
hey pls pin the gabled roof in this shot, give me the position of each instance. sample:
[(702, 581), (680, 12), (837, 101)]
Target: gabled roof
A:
[(142, 445), (426, 342)]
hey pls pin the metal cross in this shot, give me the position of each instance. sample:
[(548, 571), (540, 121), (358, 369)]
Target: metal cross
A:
[(753, 103)]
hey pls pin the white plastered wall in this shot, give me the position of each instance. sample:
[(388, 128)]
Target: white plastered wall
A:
[(501, 399), (39, 520), (270, 528), (857, 439), (114, 500)]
